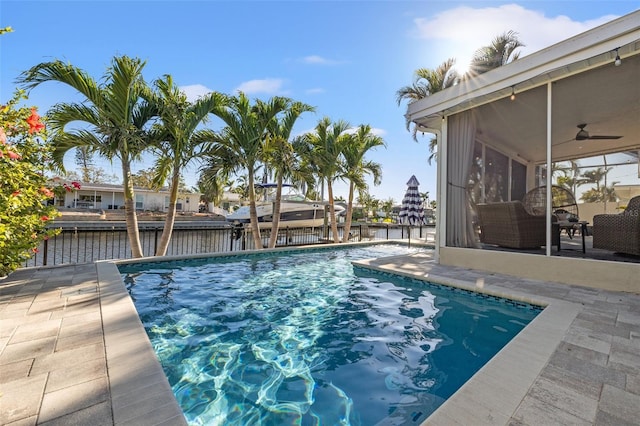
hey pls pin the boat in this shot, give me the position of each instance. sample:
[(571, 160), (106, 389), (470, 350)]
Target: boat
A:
[(295, 210)]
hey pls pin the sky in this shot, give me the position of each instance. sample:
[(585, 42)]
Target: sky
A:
[(347, 58)]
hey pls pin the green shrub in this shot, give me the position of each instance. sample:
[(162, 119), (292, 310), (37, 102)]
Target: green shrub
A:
[(24, 160)]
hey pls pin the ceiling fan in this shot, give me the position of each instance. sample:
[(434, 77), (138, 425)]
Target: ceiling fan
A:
[(583, 134)]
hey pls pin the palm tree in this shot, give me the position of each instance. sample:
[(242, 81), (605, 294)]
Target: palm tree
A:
[(427, 82), (356, 167), (239, 146), (177, 138), (213, 189), (280, 156), (501, 51), (387, 206), (571, 175), (325, 148), (115, 115), (368, 202), (594, 176), (425, 199)]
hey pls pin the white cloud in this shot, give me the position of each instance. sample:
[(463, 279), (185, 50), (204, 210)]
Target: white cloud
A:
[(314, 91), (195, 91), (318, 60), (462, 30), (270, 86)]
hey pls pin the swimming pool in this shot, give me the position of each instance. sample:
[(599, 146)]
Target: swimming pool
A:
[(304, 338)]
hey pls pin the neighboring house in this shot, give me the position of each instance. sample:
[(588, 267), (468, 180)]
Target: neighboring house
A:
[(230, 201), (627, 192), (499, 133), (98, 196)]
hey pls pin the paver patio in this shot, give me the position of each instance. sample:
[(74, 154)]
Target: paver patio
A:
[(73, 351)]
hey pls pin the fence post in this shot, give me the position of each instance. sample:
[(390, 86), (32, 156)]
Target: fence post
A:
[(46, 250), (155, 242)]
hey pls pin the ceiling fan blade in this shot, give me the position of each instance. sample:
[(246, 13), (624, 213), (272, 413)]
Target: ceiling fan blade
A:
[(604, 137)]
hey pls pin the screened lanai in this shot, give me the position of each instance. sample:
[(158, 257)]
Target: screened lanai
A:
[(570, 112)]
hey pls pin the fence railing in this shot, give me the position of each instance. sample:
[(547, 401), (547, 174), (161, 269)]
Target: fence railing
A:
[(82, 244)]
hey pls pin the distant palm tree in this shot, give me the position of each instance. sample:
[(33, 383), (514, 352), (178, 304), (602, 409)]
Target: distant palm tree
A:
[(177, 139), (593, 177), (239, 145), (425, 199), (325, 147), (387, 206), (501, 51), (571, 175), (279, 156), (356, 167), (212, 190), (609, 193), (433, 149), (368, 201), (115, 115)]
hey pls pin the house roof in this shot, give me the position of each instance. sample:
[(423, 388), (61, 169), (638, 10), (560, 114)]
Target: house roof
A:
[(586, 88)]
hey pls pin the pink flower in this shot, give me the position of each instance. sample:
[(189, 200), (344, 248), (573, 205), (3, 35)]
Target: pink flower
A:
[(13, 155), (35, 250), (44, 218), (46, 192), (75, 184), (3, 136), (15, 193), (34, 122)]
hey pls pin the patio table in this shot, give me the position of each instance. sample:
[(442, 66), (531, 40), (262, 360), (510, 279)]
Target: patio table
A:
[(571, 226)]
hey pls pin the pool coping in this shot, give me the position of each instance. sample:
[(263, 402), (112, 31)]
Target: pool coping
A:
[(140, 390), (491, 396)]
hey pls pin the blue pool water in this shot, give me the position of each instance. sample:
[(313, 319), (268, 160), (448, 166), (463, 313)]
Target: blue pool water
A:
[(304, 338)]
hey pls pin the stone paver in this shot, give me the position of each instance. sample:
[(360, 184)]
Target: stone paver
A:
[(73, 351)]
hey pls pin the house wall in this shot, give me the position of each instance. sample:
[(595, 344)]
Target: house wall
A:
[(154, 201), (614, 276), (587, 211), (108, 200)]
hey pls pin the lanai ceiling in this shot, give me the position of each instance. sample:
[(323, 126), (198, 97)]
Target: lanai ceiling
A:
[(607, 99)]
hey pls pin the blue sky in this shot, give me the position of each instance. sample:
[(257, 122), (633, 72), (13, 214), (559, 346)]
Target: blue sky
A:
[(345, 58)]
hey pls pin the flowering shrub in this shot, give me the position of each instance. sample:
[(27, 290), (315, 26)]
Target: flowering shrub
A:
[(24, 159)]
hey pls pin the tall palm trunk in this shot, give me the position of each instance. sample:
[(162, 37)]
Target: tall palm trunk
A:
[(253, 214), (332, 213), (130, 211), (347, 224), (275, 217), (171, 214)]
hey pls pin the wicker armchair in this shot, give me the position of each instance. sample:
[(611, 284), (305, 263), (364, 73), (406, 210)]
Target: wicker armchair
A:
[(619, 232), (509, 225)]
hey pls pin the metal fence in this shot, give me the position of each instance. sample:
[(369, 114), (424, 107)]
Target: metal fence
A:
[(82, 244)]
